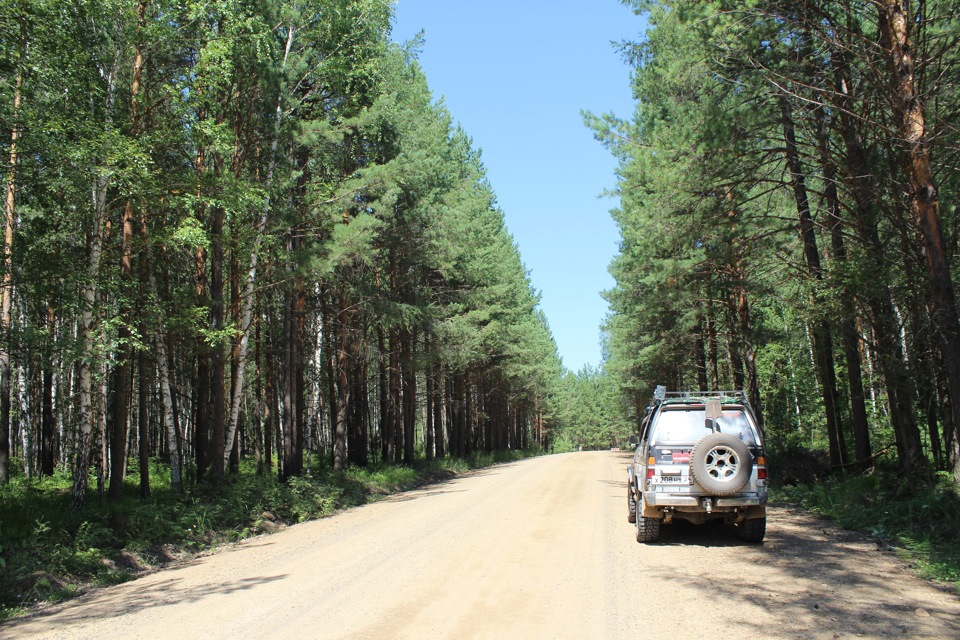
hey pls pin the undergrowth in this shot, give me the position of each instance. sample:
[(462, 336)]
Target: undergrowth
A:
[(49, 552), (921, 519)]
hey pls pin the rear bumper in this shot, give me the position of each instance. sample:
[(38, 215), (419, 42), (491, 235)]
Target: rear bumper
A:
[(699, 508), (656, 499)]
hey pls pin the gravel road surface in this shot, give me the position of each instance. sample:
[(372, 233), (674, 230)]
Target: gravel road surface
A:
[(534, 549)]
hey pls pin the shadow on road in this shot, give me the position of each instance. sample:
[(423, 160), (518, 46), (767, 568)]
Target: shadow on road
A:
[(822, 580), (710, 534), (112, 603)]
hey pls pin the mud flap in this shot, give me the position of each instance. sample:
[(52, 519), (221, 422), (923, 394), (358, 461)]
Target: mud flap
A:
[(752, 513), (650, 512)]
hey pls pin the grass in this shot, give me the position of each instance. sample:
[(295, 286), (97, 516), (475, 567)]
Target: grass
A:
[(49, 552), (920, 519)]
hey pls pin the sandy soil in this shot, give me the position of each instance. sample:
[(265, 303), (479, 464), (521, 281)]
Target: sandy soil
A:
[(535, 549)]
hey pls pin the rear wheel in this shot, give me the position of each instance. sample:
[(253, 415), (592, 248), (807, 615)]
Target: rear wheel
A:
[(752, 530), (648, 529)]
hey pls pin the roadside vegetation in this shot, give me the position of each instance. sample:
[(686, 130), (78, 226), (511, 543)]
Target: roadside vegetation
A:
[(51, 552), (920, 521)]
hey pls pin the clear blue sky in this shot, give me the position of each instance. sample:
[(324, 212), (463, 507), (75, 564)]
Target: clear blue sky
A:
[(516, 74)]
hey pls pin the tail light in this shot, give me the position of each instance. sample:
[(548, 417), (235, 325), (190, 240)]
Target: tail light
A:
[(761, 468), (651, 463)]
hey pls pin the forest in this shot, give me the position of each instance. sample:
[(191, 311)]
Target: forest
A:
[(247, 230), (251, 262), (788, 223)]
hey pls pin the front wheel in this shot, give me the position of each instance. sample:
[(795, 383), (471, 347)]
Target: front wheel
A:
[(631, 504)]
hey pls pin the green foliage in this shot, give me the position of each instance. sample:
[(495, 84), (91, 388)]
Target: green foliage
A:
[(922, 519), (267, 152), (563, 442), (585, 413), (309, 500), (715, 283)]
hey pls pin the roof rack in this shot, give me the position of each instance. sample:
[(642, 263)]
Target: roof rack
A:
[(737, 396)]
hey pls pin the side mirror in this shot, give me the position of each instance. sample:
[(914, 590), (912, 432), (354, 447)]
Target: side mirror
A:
[(634, 440)]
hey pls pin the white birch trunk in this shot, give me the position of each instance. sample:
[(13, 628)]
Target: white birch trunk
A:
[(169, 422), (236, 393), (87, 314)]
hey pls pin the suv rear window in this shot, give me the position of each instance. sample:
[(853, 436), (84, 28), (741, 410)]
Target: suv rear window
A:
[(683, 425)]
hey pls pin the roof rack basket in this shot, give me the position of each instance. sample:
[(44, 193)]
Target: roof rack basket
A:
[(737, 396)]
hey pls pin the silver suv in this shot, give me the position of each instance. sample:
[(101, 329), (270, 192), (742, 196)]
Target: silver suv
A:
[(699, 457)]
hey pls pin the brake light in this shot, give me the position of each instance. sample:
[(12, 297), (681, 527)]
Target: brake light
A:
[(761, 468), (651, 463)]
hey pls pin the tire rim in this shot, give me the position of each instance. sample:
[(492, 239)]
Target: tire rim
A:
[(722, 463)]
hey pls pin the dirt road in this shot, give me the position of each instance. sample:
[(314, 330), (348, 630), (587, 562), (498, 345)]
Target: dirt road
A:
[(535, 549)]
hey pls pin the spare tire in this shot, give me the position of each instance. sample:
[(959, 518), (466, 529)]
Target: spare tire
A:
[(721, 463)]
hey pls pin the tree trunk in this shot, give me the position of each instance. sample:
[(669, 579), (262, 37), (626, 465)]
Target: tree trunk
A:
[(218, 454), (163, 341), (260, 420), (6, 287), (822, 340), (712, 349), (330, 363), (734, 341), (170, 422), (240, 355), (201, 385), (428, 415), (459, 422), (470, 415), (142, 363), (753, 381), (394, 417), (270, 427), (340, 435), (895, 20), (47, 424), (143, 425), (297, 375), (292, 387), (356, 416), (100, 437), (84, 443), (700, 350), (437, 407), (122, 370), (848, 328), (951, 444), (384, 391), (409, 396), (22, 431), (878, 296)]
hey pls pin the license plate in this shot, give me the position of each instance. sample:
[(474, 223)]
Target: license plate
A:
[(671, 480)]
